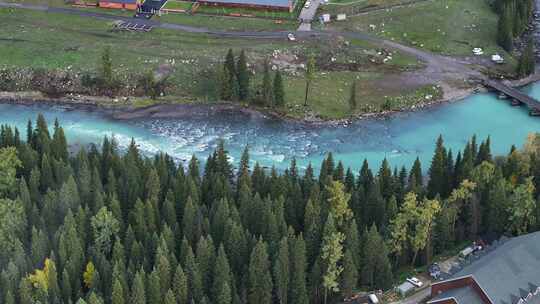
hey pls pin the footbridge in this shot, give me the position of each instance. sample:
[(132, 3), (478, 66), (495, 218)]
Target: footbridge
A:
[(517, 97)]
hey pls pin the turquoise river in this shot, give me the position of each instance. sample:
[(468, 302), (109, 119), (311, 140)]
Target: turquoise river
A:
[(400, 138)]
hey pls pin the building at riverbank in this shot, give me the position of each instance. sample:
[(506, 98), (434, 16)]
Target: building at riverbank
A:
[(508, 274)]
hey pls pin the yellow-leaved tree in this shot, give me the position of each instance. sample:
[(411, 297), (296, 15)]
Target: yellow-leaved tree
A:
[(412, 226)]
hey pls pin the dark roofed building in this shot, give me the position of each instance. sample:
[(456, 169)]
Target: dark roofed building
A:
[(278, 5), (509, 274)]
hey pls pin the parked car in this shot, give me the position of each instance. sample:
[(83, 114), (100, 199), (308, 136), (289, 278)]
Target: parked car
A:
[(416, 282), (478, 51), (497, 59), (307, 4), (291, 37)]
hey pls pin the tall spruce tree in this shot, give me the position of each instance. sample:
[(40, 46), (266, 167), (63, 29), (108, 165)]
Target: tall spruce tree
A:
[(297, 286), (266, 87), (281, 271), (438, 183), (259, 277), (526, 63), (242, 75), (279, 91), (228, 78), (505, 31)]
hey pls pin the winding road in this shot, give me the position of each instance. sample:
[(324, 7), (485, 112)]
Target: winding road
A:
[(429, 58), (437, 67)]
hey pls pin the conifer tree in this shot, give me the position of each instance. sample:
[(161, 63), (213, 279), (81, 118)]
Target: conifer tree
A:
[(224, 294), (279, 91), (349, 277), (106, 66), (259, 278), (205, 261), (312, 228), (138, 293), (437, 172), (369, 257), (526, 63), (95, 299), (228, 78), (169, 297), (298, 267), (266, 88), (505, 31), (223, 279), (281, 271), (180, 285), (242, 76), (195, 280), (59, 143)]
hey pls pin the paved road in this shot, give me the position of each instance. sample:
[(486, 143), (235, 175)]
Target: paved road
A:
[(307, 15), (415, 298)]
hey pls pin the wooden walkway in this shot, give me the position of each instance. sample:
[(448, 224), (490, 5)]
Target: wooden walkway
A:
[(516, 95)]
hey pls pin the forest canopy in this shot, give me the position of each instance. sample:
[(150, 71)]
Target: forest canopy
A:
[(108, 226)]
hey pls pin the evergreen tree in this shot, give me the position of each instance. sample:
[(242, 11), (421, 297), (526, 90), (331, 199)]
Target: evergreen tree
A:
[(375, 260), (266, 88), (224, 294), (259, 278), (106, 66), (195, 279), (180, 285), (281, 271), (169, 298), (138, 293), (298, 265), (117, 293), (526, 63), (223, 279), (505, 32), (437, 183), (229, 78), (279, 91), (349, 277), (242, 75)]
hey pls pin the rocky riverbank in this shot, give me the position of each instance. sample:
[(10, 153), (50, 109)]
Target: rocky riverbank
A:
[(122, 108)]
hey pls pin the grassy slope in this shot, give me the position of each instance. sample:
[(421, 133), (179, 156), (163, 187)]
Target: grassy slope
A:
[(56, 41), (353, 6), (228, 23), (450, 27), (40, 40)]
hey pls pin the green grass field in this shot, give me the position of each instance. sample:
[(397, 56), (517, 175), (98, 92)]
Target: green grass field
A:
[(452, 27), (352, 7), (57, 41), (178, 5), (228, 23)]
